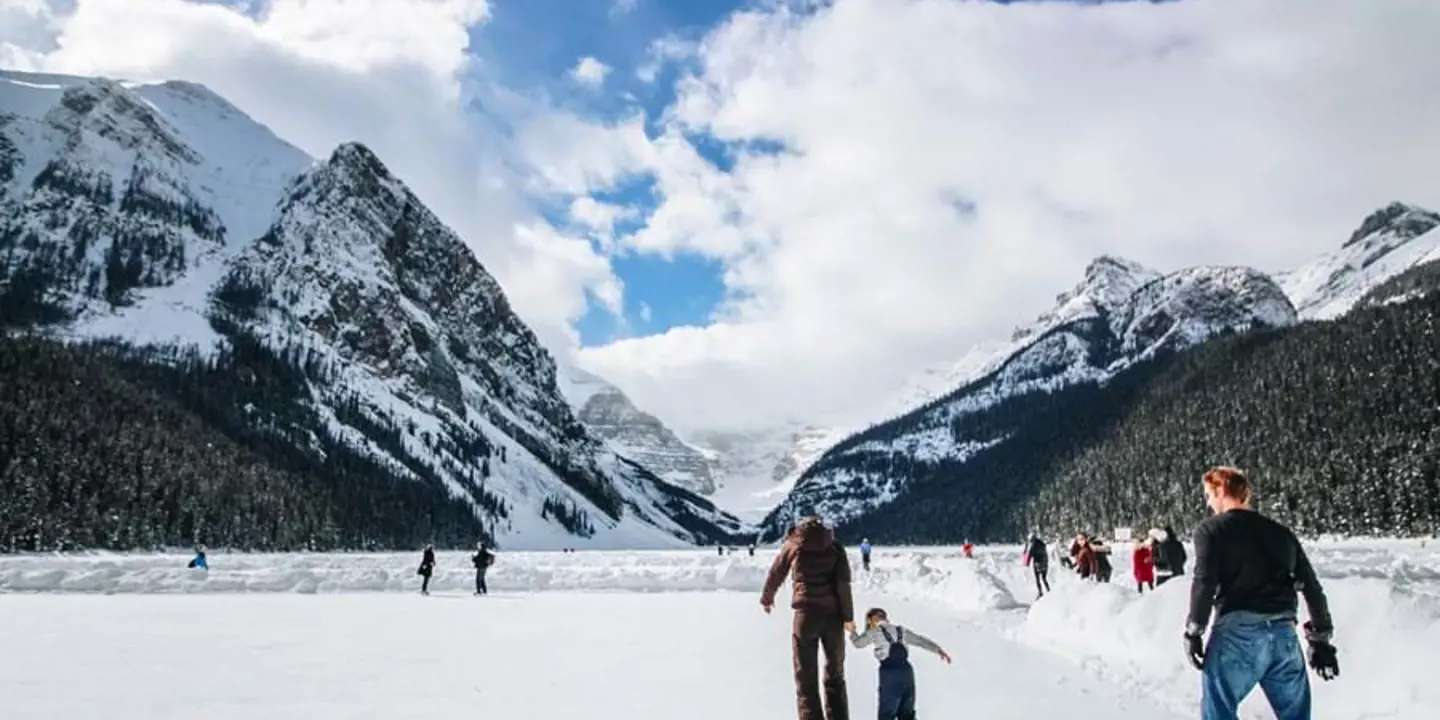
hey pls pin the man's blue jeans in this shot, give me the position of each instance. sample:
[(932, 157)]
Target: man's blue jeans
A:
[(1246, 650)]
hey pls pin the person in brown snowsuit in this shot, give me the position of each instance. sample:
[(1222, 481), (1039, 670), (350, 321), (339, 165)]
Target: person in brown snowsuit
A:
[(824, 612)]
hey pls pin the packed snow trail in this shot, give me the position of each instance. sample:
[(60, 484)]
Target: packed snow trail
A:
[(549, 656)]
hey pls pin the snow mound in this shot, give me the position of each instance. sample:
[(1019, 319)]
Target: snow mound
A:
[(955, 583), (1387, 619)]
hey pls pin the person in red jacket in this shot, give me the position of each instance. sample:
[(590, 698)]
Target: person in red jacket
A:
[(1144, 562)]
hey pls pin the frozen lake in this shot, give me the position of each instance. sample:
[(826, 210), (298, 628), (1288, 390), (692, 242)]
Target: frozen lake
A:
[(634, 634)]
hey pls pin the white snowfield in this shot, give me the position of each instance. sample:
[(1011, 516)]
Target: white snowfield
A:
[(621, 634)]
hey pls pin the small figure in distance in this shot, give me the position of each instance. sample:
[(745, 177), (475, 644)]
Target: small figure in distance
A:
[(427, 568)]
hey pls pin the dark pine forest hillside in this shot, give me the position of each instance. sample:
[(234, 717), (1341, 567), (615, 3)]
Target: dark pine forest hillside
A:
[(1338, 422), (108, 446)]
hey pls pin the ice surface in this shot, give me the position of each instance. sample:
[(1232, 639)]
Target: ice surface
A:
[(552, 656), (347, 635)]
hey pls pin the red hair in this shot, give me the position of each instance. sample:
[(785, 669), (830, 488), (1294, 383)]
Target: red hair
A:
[(1230, 482)]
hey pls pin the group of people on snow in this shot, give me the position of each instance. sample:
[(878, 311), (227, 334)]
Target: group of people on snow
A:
[(1248, 569), (481, 560), (1156, 558)]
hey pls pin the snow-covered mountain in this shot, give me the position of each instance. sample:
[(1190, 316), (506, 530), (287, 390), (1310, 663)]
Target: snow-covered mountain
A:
[(636, 434), (160, 213), (1389, 242), (1120, 314), (755, 469)]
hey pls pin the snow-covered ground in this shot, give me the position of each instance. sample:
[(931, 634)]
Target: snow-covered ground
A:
[(140, 636)]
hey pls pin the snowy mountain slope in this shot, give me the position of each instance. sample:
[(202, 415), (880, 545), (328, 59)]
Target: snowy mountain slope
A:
[(642, 437), (162, 214), (756, 469), (1109, 281), (356, 265), (1390, 241), (1119, 315), (121, 201)]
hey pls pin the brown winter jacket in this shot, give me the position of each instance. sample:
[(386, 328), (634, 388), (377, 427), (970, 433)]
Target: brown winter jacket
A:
[(819, 570)]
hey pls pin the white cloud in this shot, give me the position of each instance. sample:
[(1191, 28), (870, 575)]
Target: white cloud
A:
[(665, 50), (590, 71), (645, 313), (623, 7), (1255, 132), (394, 74)]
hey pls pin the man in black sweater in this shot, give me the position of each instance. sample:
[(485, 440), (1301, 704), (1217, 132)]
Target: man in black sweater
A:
[(1247, 570)]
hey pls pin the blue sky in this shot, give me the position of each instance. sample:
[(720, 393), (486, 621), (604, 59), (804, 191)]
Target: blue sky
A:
[(533, 45)]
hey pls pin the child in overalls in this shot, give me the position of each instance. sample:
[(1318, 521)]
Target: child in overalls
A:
[(897, 676)]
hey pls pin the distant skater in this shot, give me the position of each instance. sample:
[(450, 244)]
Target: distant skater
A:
[(752, 549), (968, 549), (1143, 563), (1168, 555), (482, 560), (199, 560), (1037, 556), (427, 568), (865, 553), (897, 675)]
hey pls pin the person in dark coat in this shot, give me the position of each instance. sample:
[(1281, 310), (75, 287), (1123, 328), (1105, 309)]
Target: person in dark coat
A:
[(1248, 569), (824, 611), (1103, 568), (1038, 558), (1169, 557), (427, 568), (1084, 557), (482, 560)]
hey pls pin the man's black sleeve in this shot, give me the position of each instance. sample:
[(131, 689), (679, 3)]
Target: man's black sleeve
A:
[(1202, 584), (1321, 626)]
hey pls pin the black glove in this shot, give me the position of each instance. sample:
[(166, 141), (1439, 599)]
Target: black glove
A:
[(1195, 650), (1322, 655)]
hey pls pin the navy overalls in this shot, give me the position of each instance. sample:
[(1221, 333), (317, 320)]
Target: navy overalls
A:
[(897, 680)]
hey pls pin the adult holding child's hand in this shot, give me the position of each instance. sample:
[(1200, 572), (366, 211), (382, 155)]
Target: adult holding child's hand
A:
[(824, 613)]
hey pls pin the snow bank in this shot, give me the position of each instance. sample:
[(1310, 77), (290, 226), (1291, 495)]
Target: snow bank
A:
[(957, 583), (1387, 616), (383, 572)]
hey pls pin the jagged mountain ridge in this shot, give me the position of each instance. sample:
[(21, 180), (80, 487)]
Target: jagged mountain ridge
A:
[(1119, 315), (636, 434), (430, 370), (1387, 243), (1391, 257)]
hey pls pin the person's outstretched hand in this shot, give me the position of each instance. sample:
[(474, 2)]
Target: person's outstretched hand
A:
[(849, 627), (945, 656), (767, 608)]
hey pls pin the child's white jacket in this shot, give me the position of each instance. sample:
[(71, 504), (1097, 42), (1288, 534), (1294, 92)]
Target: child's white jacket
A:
[(874, 637)]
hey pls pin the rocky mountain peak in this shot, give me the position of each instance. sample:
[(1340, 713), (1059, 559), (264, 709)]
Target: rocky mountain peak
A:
[(1403, 221), (118, 114)]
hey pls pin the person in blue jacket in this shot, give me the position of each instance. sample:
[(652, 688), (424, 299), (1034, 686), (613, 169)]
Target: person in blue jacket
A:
[(865, 553), (199, 559)]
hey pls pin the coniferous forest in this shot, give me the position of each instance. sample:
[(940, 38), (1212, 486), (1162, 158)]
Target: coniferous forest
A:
[(108, 446), (1338, 423)]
